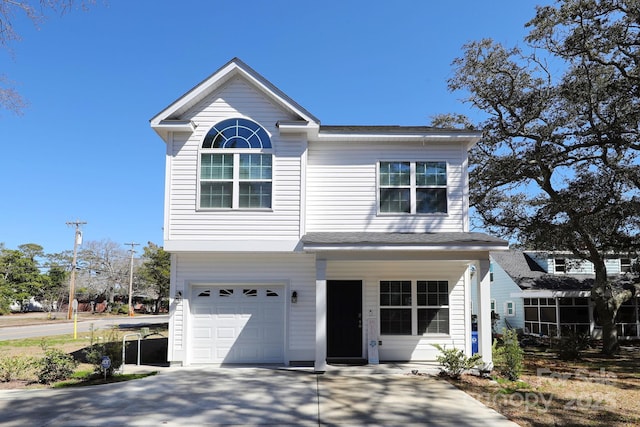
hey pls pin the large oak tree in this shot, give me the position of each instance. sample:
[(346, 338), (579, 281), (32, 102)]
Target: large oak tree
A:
[(558, 167)]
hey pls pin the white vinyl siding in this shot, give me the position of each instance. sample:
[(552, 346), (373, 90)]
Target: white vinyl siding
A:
[(342, 190), (184, 222), (408, 347)]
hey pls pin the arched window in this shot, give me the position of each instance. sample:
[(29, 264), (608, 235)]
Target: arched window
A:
[(236, 166), (237, 133)]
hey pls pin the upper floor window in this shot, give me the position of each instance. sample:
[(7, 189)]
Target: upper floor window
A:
[(236, 166), (412, 187), (560, 265)]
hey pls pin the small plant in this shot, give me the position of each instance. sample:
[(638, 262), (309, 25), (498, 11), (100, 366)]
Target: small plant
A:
[(508, 357), (15, 367), (119, 309), (56, 365), (111, 346), (572, 344), (454, 362)]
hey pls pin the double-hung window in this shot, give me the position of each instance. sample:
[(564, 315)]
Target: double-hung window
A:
[(414, 307), (412, 187), (433, 307), (236, 164)]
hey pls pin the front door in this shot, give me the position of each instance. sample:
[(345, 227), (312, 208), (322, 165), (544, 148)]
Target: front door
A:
[(344, 319)]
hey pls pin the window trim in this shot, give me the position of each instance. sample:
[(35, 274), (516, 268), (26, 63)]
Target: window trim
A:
[(560, 265), (235, 180), (413, 188), (415, 307), (507, 312)]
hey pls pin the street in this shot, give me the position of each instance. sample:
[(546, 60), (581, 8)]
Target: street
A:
[(61, 327)]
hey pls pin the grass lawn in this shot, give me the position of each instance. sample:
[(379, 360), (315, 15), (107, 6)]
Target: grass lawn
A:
[(594, 391), (33, 347)]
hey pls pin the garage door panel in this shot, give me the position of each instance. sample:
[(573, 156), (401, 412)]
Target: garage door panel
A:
[(200, 333), (202, 353), (245, 324), (251, 333), (225, 333)]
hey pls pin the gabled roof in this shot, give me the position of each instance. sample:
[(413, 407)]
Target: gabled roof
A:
[(528, 274), (169, 119)]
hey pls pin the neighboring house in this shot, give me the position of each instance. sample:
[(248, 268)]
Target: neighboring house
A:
[(507, 310), (551, 292), (294, 242)]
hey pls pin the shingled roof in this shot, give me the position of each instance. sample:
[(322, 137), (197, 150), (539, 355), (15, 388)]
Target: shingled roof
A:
[(528, 274)]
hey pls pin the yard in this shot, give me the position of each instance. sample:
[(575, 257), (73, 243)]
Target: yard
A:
[(595, 391), (33, 347)]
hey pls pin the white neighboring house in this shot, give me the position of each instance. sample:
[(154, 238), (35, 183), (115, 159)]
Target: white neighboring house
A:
[(298, 243)]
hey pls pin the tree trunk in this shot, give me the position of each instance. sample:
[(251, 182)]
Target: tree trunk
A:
[(607, 308), (607, 314)]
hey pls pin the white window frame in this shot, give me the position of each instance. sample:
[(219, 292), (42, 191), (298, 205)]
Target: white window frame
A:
[(236, 180), (235, 137), (414, 307), (560, 265), (509, 309), (413, 187)]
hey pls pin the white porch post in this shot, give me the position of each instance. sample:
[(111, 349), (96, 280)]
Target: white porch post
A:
[(320, 364), (484, 313)]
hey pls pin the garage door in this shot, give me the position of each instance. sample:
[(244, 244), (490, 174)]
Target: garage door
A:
[(237, 324)]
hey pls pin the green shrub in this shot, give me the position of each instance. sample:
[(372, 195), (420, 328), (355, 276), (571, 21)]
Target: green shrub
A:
[(56, 365), (508, 356), (111, 346), (572, 344), (119, 309), (454, 362), (15, 367)]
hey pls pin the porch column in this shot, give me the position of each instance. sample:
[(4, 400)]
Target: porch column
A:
[(484, 313), (320, 364)]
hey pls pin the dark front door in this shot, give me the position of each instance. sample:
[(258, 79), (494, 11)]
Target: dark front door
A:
[(344, 319)]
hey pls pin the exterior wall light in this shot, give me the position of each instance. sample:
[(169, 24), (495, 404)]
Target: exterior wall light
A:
[(294, 297)]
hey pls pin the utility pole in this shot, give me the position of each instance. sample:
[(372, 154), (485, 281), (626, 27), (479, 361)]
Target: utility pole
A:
[(131, 277), (72, 283)]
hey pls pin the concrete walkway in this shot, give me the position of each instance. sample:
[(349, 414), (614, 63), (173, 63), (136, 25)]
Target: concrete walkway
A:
[(384, 395)]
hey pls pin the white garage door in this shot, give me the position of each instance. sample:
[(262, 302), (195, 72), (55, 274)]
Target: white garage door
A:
[(237, 324)]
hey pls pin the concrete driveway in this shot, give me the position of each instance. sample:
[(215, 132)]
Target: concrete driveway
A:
[(385, 395)]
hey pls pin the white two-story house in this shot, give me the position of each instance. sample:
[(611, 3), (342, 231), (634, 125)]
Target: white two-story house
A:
[(294, 242)]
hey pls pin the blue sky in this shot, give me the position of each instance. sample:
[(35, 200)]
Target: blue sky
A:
[(83, 150)]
